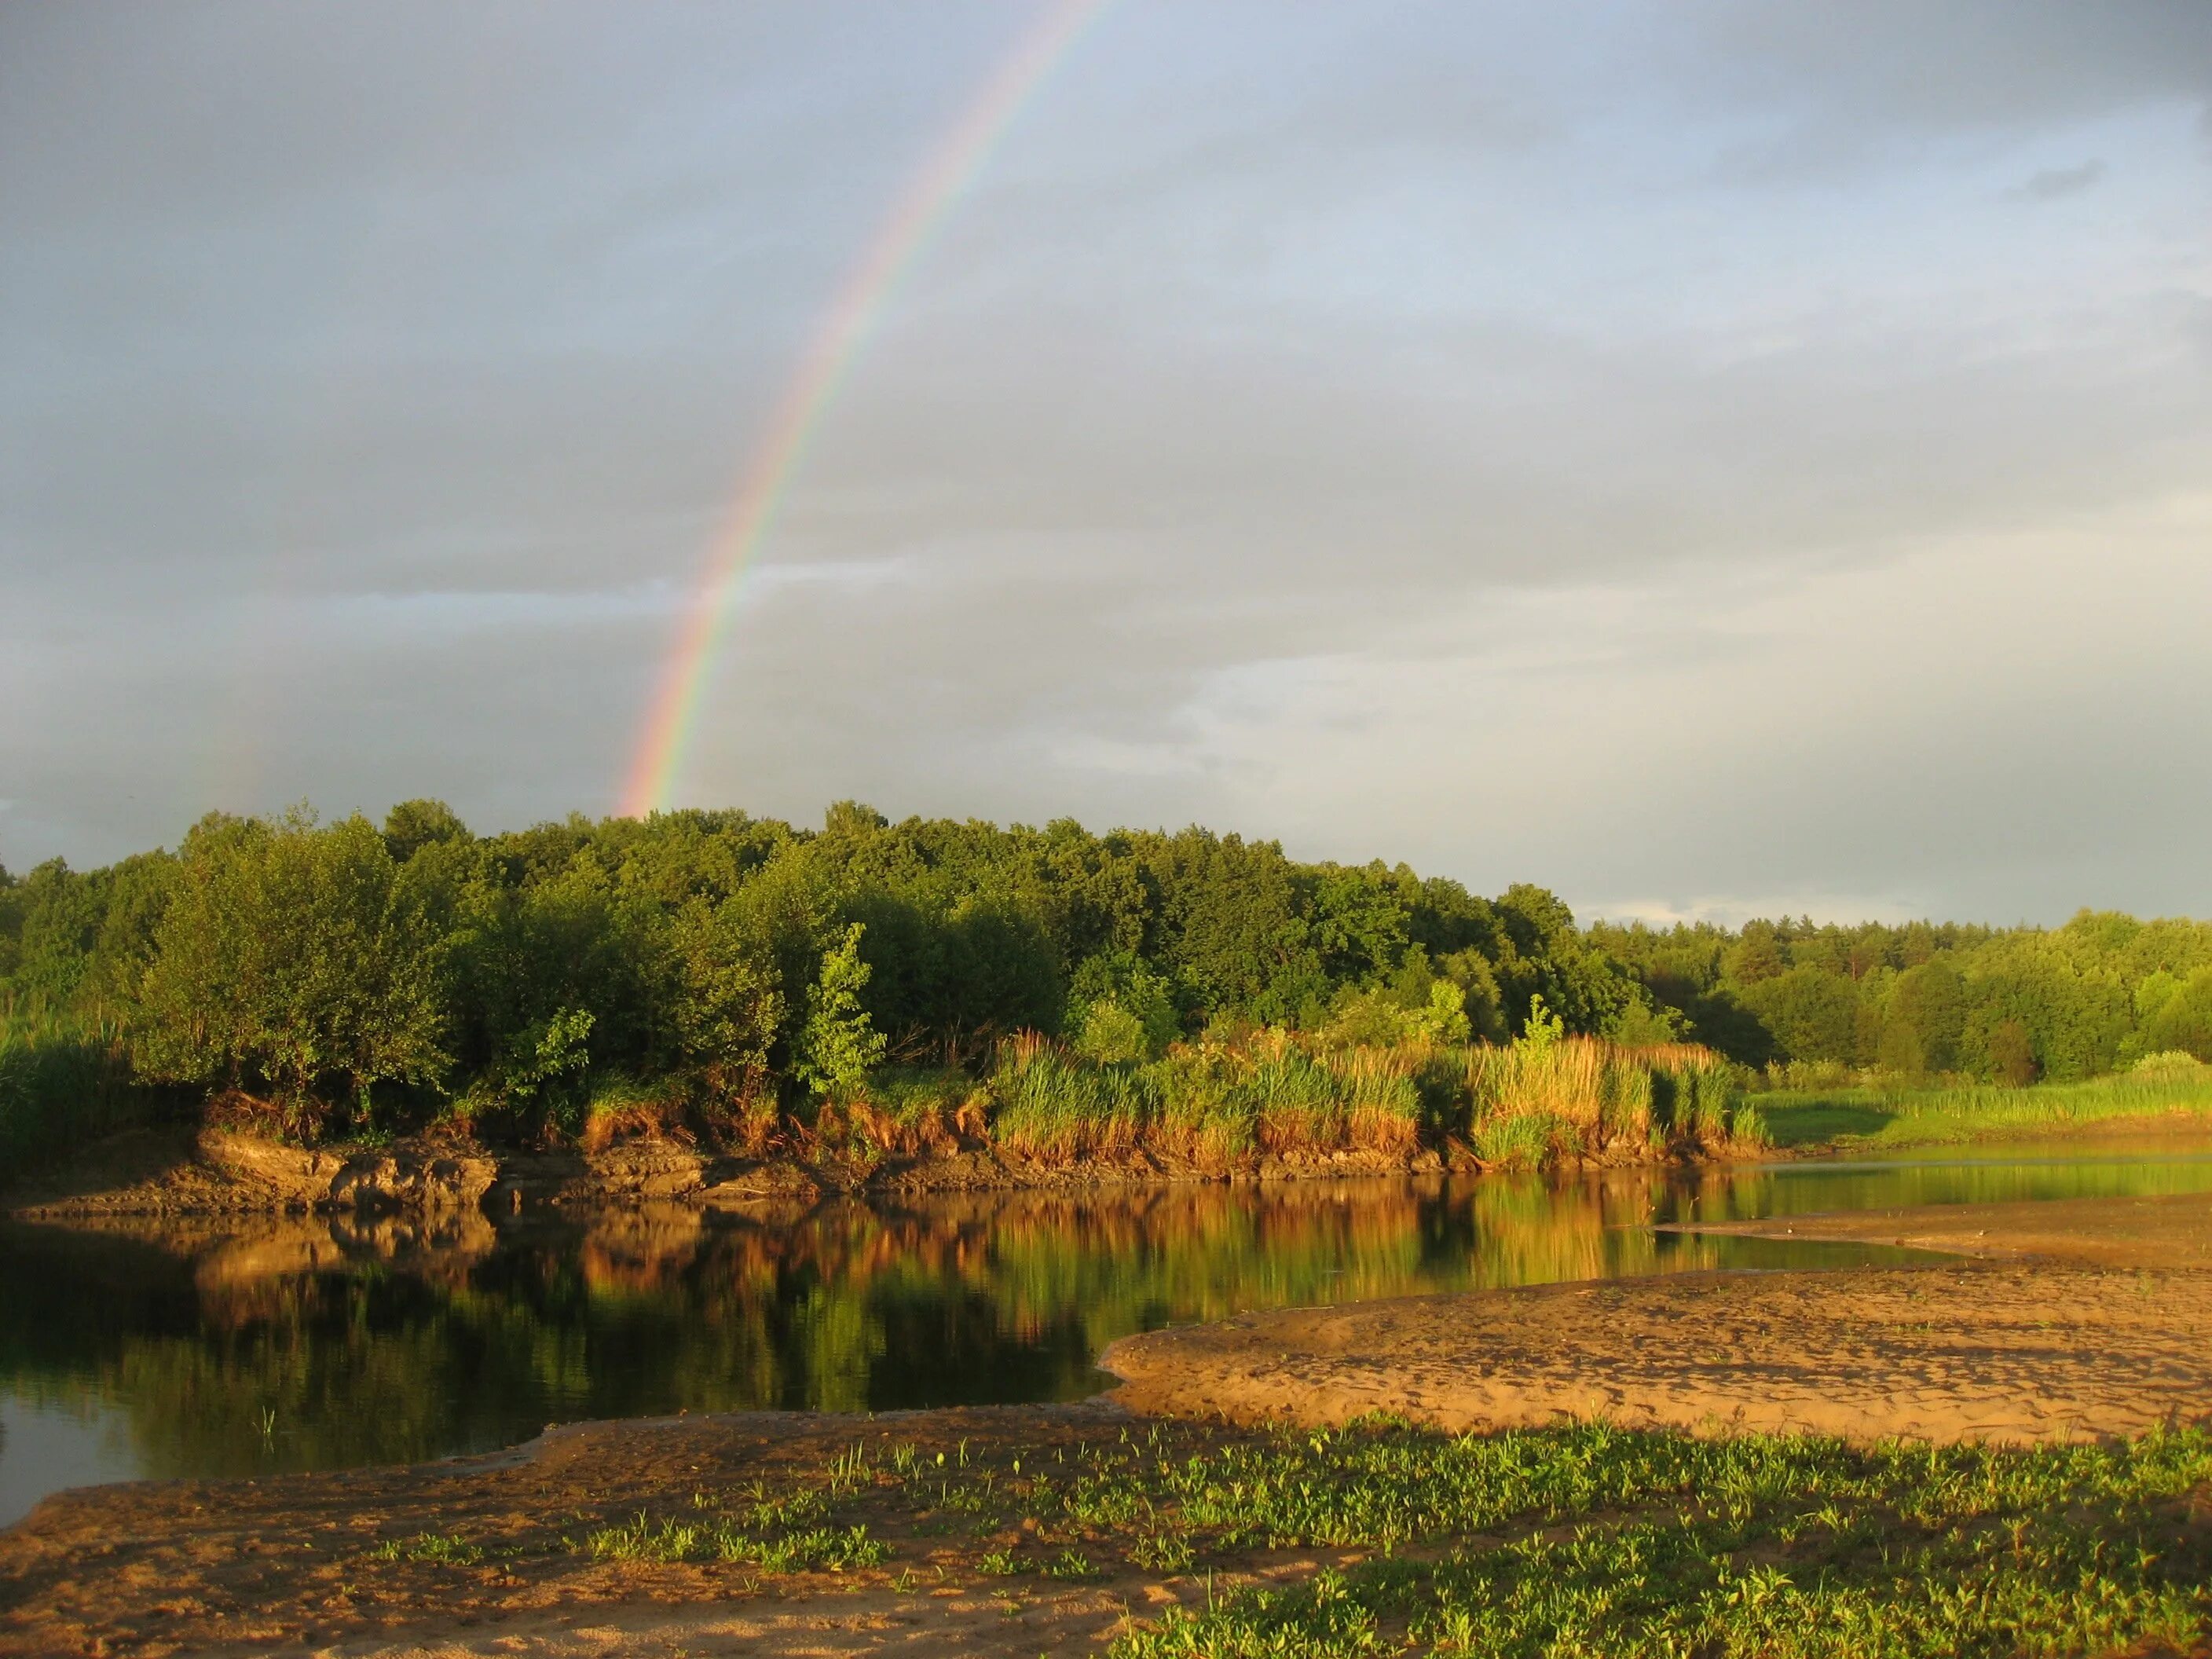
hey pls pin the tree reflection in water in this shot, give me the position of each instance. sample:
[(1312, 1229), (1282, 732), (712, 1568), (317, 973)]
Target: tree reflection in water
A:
[(234, 1347)]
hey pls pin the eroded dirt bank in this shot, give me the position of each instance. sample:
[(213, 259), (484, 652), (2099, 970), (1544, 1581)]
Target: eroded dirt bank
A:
[(219, 1172), (2085, 1320)]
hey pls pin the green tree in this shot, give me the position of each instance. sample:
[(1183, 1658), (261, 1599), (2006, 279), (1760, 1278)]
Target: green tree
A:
[(1543, 1029), (727, 1001), (1925, 1019), (414, 825), (837, 1044), (1119, 1009), (293, 955), (1812, 1015), (2183, 1019), (2012, 1054)]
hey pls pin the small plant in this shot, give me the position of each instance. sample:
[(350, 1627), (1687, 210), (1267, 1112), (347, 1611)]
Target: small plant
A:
[(449, 1549), (1163, 1552), (773, 1542)]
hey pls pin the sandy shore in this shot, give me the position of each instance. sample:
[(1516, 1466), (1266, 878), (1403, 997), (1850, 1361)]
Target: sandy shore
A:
[(2078, 1320), (236, 1567), (2071, 1322)]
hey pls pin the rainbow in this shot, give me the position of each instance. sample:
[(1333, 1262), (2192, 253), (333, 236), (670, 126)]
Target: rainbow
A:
[(799, 413)]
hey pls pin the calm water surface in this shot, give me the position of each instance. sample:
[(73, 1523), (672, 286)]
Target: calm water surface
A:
[(228, 1347)]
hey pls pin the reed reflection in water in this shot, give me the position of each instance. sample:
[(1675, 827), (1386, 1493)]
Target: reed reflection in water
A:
[(230, 1348)]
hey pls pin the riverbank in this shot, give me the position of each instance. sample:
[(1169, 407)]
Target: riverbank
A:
[(1065, 1528), (182, 1171), (214, 1172)]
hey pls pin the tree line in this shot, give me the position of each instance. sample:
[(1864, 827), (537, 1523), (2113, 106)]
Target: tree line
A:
[(2101, 993), (387, 975)]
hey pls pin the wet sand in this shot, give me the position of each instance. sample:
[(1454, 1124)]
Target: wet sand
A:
[(2074, 1319), (2069, 1320)]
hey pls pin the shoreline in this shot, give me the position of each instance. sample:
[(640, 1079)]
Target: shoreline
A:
[(2052, 1319), (209, 1173), (213, 1172)]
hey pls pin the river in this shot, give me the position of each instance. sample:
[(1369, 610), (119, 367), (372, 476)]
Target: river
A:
[(224, 1346)]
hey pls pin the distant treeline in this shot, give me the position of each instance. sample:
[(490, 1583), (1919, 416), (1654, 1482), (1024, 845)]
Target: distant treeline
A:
[(2011, 1006), (393, 974)]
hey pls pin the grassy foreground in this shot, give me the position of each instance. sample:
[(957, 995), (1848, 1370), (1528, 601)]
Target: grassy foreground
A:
[(1865, 1118), (1583, 1540)]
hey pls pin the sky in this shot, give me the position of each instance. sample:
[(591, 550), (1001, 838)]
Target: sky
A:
[(1712, 457)]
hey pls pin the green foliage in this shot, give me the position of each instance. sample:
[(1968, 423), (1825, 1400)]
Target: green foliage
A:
[(727, 1002), (540, 1074), (1543, 1029), (1938, 1114), (1926, 999), (1120, 1010), (837, 1044), (1590, 1540), (712, 958), (2181, 1019), (63, 1078), (289, 956)]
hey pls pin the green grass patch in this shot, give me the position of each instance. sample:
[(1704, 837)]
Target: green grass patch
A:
[(1944, 1116), (449, 1549), (1590, 1539), (1593, 1540), (793, 1532), (1581, 1539)]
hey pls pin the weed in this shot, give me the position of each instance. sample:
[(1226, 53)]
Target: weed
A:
[(449, 1549)]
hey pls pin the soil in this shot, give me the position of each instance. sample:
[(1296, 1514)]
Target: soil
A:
[(2072, 1320)]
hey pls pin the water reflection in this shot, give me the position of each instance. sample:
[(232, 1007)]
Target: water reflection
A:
[(230, 1347)]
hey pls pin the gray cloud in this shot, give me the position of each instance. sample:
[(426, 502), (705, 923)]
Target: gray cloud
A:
[(2053, 184), (1401, 430)]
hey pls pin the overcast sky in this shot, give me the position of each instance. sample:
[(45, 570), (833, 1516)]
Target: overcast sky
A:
[(1710, 457)]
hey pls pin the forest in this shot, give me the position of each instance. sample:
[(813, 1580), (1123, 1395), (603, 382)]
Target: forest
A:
[(1072, 991)]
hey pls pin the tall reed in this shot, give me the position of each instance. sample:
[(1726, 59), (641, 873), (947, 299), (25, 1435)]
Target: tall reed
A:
[(1533, 1103), (1056, 1107), (1221, 1105), (63, 1080)]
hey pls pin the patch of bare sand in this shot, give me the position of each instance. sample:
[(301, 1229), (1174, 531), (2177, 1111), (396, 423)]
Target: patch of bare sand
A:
[(991, 1619), (163, 1568), (2111, 1336)]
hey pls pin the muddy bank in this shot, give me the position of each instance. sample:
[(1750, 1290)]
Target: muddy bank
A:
[(2080, 1320), (219, 1172)]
